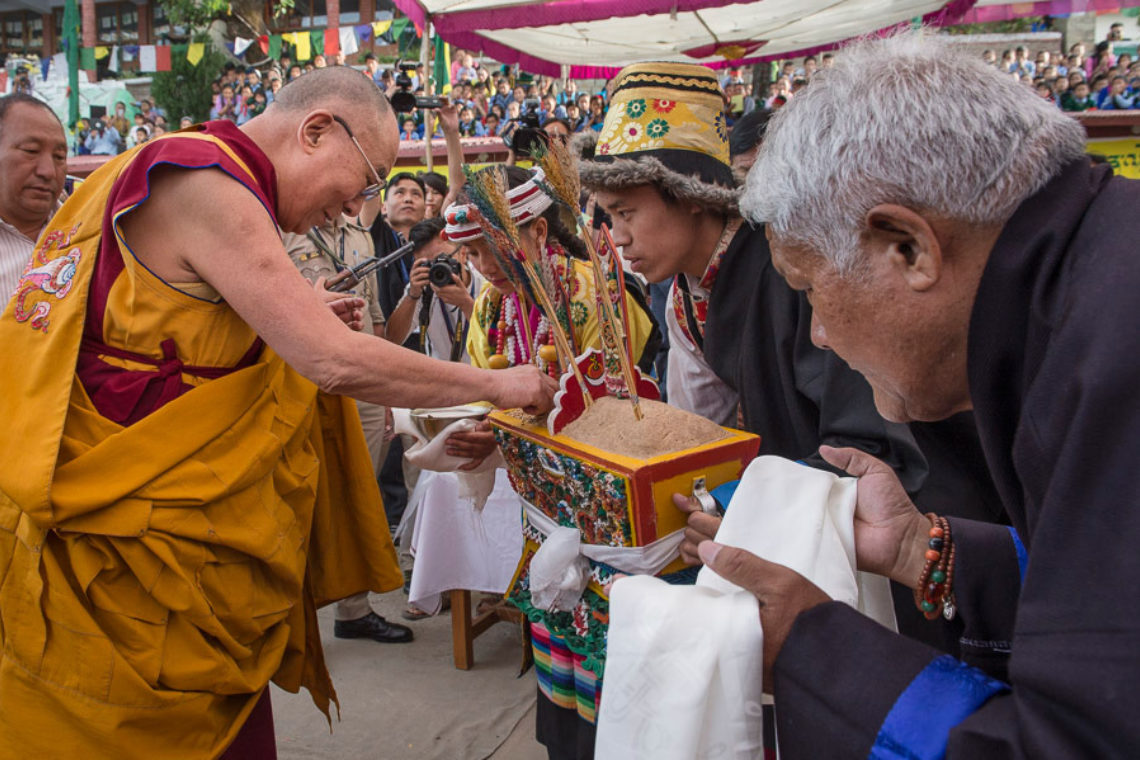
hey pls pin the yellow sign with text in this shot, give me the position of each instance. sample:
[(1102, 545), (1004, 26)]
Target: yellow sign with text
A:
[(1122, 154)]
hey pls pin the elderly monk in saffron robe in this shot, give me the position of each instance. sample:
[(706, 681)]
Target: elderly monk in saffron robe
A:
[(180, 490)]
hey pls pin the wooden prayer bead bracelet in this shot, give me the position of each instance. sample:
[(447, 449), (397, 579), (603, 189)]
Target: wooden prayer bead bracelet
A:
[(934, 593)]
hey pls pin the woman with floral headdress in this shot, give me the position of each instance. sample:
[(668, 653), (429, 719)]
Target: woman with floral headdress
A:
[(507, 330)]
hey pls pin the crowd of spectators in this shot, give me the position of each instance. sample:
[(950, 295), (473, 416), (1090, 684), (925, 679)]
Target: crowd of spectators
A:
[(1079, 80), (493, 100), (110, 135)]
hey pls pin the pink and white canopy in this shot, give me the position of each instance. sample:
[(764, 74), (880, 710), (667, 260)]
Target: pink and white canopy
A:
[(597, 37), (1003, 10)]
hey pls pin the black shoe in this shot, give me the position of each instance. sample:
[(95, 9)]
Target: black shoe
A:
[(374, 627)]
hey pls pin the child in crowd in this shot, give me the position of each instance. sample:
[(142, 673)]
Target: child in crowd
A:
[(225, 105), (242, 111), (469, 126), (493, 125), (1079, 99), (139, 135), (1117, 96), (410, 131)]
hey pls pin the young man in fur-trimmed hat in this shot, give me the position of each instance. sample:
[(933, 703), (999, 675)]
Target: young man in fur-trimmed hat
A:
[(738, 333)]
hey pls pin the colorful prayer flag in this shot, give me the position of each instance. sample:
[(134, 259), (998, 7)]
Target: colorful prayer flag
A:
[(101, 52), (441, 71), (114, 64), (162, 57), (87, 58), (146, 58), (304, 46), (348, 44), (241, 44), (274, 48), (332, 41), (195, 52), (398, 27), (380, 27), (317, 42)]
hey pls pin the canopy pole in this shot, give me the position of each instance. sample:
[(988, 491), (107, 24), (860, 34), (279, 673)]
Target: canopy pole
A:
[(429, 89), (71, 45)]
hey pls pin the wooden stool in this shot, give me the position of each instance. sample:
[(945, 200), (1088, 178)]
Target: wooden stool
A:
[(465, 629)]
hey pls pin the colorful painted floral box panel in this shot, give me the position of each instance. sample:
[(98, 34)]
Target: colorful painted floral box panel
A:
[(610, 498)]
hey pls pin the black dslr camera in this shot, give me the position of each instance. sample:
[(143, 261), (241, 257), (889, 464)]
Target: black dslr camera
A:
[(406, 101), (525, 134), (441, 269)]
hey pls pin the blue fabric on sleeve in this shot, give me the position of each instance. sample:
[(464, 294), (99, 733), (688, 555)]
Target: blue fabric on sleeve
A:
[(724, 493), (940, 697), (1022, 554)]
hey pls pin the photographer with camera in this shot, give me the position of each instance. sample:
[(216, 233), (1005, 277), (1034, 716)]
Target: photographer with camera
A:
[(440, 296), (524, 132), (103, 140)]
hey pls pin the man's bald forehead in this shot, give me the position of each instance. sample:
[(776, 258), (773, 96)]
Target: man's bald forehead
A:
[(338, 88)]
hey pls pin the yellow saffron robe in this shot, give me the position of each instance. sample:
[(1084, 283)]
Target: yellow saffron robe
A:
[(155, 577)]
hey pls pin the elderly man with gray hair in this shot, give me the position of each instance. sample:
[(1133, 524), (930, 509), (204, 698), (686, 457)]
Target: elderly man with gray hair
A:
[(962, 252)]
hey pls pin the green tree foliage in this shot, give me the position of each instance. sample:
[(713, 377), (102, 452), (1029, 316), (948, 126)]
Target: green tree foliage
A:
[(195, 15), (185, 89)]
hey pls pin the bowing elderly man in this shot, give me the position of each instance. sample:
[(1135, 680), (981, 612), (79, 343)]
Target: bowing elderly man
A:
[(182, 488), (962, 252)]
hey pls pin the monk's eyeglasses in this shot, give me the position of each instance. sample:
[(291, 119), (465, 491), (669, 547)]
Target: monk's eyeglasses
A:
[(373, 190)]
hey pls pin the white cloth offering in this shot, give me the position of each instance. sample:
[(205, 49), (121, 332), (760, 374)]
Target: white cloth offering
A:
[(684, 663), (457, 546), (559, 571), (474, 485)]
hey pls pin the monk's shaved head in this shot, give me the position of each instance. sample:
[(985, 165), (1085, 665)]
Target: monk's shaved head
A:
[(331, 87)]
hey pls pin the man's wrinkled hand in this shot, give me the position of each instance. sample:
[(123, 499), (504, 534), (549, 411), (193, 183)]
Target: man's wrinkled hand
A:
[(699, 527), (781, 593), (525, 387), (348, 308), (890, 532)]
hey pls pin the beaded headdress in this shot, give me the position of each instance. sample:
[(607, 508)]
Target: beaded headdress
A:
[(528, 201)]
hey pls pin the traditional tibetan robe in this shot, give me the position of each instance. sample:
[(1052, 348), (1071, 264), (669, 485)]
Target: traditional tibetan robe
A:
[(175, 501), (1053, 373)]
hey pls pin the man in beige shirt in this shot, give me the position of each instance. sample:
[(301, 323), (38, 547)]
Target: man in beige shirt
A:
[(320, 254), (33, 167)]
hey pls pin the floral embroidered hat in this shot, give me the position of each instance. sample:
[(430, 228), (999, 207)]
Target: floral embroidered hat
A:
[(665, 127)]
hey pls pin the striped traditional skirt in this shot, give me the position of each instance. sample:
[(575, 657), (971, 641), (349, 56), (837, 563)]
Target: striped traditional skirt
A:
[(561, 677)]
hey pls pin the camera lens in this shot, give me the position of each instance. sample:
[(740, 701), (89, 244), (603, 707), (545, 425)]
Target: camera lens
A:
[(403, 101), (442, 269)]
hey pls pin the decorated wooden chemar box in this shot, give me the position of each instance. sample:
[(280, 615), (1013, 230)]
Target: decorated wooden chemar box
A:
[(612, 499)]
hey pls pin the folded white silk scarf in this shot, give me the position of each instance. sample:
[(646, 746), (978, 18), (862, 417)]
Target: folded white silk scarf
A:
[(684, 663)]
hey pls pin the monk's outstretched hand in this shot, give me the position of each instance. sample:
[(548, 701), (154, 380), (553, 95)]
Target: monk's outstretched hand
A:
[(525, 387)]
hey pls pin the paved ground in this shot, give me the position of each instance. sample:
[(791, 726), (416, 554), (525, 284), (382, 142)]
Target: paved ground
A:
[(408, 702)]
